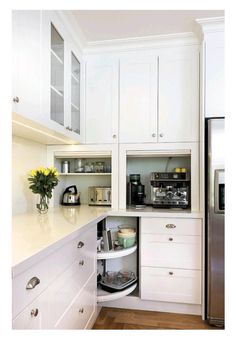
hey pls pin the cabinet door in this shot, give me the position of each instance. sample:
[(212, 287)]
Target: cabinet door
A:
[(138, 98), (26, 49), (214, 75), (102, 100), (178, 119), (75, 106)]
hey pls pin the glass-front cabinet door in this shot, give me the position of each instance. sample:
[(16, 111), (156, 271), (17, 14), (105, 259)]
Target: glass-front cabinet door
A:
[(75, 94), (57, 77)]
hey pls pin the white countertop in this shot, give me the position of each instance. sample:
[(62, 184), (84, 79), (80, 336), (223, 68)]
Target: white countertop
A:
[(32, 233)]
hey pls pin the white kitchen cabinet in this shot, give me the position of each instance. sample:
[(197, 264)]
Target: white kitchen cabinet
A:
[(170, 260), (138, 98), (63, 276), (102, 82), (178, 111), (26, 72), (61, 73)]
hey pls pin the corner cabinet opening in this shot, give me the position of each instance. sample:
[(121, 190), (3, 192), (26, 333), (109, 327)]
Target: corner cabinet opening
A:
[(118, 264)]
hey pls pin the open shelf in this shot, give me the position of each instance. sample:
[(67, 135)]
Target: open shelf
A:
[(104, 296), (85, 174), (116, 253)]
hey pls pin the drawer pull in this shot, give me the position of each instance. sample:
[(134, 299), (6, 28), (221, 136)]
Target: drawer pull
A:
[(171, 273), (34, 312), (80, 245), (81, 310), (81, 262), (32, 283), (170, 226), (170, 239)]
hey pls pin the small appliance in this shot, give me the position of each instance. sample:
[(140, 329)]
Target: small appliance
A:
[(135, 192), (99, 196), (170, 189), (70, 196)]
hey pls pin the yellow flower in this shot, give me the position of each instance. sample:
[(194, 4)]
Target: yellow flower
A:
[(46, 172), (33, 173), (41, 169)]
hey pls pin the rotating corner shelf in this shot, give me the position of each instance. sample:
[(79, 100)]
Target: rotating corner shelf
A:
[(104, 296), (116, 253)]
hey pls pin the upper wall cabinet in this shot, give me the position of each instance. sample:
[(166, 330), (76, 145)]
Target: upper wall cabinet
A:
[(152, 96), (102, 81), (138, 98), (46, 73), (178, 111), (26, 26)]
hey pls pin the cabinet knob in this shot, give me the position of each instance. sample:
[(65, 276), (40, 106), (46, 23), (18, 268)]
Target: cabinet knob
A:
[(16, 99), (80, 245), (170, 226), (81, 310), (32, 283), (81, 262), (170, 239), (34, 312), (171, 273), (161, 135), (114, 135), (153, 135), (68, 128)]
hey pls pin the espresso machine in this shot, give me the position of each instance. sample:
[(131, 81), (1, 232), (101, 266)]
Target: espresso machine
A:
[(170, 189), (135, 192)]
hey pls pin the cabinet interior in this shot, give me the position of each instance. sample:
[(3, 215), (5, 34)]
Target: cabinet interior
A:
[(144, 165)]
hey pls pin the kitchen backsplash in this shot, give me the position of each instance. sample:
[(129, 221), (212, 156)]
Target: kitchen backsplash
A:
[(26, 155)]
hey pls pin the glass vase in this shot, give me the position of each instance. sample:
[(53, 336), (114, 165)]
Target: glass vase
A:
[(42, 205)]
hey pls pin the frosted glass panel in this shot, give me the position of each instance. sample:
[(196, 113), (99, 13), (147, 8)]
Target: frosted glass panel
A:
[(57, 76), (75, 94)]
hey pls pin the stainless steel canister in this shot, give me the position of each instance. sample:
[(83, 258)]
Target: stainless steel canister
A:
[(65, 167)]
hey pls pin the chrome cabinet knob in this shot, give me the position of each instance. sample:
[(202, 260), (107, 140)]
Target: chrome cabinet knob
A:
[(170, 239), (34, 312), (16, 99), (161, 135), (153, 135), (80, 245), (81, 262), (32, 283), (81, 310), (170, 226), (114, 135), (171, 273)]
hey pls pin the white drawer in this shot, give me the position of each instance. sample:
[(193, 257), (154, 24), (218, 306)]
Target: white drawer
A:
[(171, 285), (81, 310), (27, 321), (177, 226), (52, 266), (171, 251)]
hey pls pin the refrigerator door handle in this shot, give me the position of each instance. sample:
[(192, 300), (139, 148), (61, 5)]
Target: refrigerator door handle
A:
[(219, 191)]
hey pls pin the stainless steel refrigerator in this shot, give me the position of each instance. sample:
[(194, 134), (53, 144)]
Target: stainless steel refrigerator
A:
[(215, 210)]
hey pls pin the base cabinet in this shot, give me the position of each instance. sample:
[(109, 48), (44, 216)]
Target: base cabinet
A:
[(171, 260)]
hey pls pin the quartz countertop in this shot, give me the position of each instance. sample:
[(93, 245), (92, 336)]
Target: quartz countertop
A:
[(32, 232)]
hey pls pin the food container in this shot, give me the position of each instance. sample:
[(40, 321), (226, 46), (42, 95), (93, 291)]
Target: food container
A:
[(126, 237)]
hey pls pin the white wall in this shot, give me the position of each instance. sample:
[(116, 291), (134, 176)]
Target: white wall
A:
[(26, 155)]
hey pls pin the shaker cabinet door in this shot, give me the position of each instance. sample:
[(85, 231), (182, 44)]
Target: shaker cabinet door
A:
[(178, 96), (102, 100), (138, 98)]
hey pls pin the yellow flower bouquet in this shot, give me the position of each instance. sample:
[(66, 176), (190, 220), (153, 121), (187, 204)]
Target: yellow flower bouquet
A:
[(43, 181)]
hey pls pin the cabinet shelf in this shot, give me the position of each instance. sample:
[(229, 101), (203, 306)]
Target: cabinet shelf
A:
[(104, 296), (85, 174), (116, 253)]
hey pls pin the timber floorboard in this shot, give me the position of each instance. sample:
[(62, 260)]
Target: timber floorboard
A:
[(126, 319)]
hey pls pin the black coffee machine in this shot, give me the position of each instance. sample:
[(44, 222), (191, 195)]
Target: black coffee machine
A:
[(135, 192)]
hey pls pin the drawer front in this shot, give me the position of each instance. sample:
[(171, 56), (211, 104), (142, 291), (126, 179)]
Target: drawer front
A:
[(171, 285), (52, 266), (171, 251), (81, 310), (28, 320), (174, 226)]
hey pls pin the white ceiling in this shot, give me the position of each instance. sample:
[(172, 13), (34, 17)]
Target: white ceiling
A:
[(99, 25)]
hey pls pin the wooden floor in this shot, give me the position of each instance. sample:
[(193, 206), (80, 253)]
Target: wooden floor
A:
[(123, 319)]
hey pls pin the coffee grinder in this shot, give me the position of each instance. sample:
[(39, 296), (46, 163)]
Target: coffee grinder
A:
[(135, 192)]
